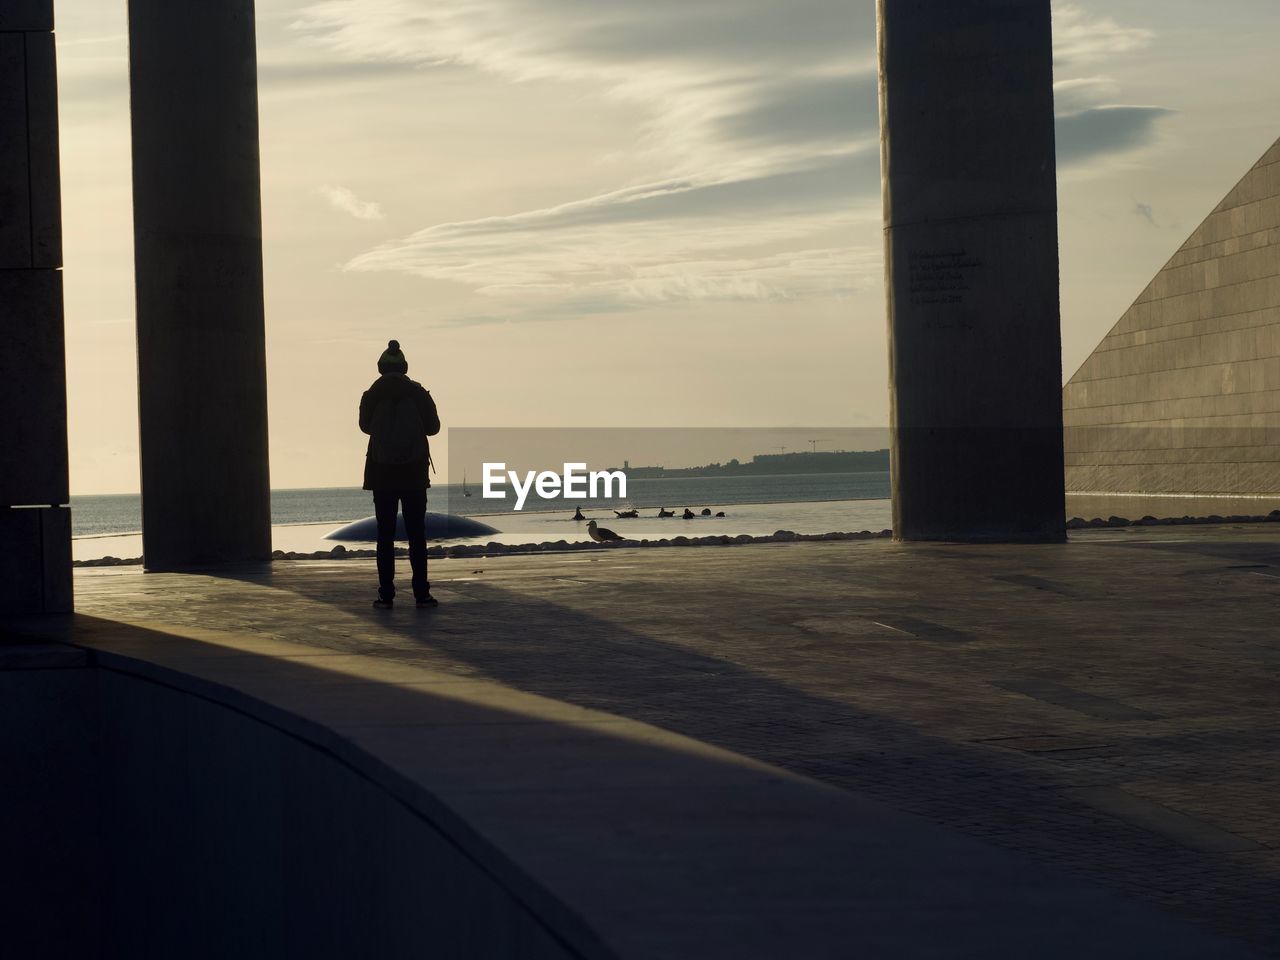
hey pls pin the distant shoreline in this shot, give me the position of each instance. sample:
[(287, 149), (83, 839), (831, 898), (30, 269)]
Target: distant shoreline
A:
[(727, 506), (798, 464)]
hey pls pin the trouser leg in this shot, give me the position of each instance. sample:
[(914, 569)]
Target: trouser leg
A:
[(415, 528), (385, 509)]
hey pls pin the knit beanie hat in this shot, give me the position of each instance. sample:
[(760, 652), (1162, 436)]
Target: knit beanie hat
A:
[(392, 360)]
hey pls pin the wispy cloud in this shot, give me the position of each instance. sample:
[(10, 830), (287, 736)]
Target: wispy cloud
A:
[(796, 275), (676, 240), (344, 201), (1094, 125), (692, 67), (1083, 93), (1145, 211), (1081, 37), (761, 131), (1106, 130), (110, 39)]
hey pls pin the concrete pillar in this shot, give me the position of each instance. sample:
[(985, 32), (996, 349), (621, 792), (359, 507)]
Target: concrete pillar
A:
[(970, 210), (198, 261), (35, 523)]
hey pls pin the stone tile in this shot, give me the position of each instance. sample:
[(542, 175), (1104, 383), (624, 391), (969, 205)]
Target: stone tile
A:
[(1157, 643), (1161, 819), (1080, 701)]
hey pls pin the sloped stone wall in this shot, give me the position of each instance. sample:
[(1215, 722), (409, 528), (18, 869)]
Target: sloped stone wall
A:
[(1183, 395)]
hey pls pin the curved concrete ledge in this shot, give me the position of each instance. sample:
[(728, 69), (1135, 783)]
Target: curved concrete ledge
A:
[(199, 793)]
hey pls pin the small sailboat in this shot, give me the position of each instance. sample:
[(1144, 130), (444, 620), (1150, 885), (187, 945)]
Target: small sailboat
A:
[(465, 491)]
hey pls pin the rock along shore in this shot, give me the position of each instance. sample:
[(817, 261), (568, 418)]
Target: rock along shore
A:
[(495, 549), (781, 536)]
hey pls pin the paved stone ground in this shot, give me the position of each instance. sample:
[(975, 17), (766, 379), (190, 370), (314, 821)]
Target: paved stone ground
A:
[(1109, 705)]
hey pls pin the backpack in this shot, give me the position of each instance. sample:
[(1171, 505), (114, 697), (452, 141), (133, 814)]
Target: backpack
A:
[(398, 436)]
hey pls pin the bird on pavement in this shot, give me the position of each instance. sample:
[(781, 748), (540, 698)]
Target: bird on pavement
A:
[(601, 534)]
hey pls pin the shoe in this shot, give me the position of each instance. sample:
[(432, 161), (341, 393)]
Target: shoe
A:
[(384, 604), (427, 601)]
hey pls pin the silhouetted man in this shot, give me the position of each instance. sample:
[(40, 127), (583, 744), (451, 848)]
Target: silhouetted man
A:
[(399, 415)]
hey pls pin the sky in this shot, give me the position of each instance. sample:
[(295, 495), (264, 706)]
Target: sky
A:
[(619, 213)]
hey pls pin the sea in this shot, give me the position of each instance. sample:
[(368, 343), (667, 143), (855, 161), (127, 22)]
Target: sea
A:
[(110, 525)]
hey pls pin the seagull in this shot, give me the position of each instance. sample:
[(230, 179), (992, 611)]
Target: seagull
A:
[(601, 534)]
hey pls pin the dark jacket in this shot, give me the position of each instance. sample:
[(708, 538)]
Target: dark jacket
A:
[(388, 389)]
